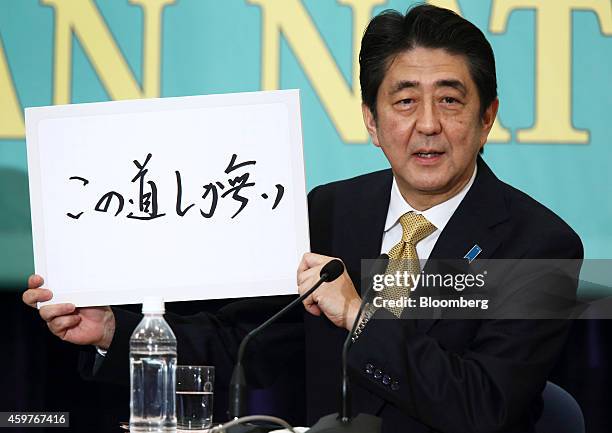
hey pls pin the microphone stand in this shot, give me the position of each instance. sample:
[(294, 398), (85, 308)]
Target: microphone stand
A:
[(342, 422), (237, 388)]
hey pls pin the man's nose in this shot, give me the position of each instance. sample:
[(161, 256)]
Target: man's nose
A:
[(428, 120)]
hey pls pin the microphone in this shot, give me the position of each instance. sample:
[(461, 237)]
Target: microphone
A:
[(332, 270), (363, 422)]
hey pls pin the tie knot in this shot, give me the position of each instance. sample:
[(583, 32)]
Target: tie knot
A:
[(415, 227)]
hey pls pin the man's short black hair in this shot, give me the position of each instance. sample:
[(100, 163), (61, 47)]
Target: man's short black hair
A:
[(391, 33)]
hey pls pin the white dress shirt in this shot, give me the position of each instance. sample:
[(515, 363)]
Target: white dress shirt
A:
[(438, 215)]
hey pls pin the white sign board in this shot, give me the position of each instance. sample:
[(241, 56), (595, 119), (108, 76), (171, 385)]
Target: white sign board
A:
[(187, 198)]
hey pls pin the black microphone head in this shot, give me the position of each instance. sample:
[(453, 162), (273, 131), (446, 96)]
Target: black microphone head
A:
[(332, 270)]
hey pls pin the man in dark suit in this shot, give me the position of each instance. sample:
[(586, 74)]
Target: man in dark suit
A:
[(439, 375), (429, 101)]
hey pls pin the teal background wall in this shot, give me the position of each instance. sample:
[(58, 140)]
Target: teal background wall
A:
[(217, 47)]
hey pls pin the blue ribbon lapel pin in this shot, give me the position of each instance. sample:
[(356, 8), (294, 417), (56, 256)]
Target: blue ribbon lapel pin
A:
[(472, 253)]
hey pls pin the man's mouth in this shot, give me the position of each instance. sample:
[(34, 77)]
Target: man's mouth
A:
[(428, 154)]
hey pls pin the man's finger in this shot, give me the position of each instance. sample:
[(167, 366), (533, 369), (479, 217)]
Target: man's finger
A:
[(313, 259), (32, 296), (313, 309), (303, 266), (307, 275), (308, 301), (61, 324), (35, 281), (50, 312), (310, 260), (311, 306)]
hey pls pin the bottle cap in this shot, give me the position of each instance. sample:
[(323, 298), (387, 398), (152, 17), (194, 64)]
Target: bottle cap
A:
[(153, 305)]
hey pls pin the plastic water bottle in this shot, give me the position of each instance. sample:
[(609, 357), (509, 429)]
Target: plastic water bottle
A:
[(153, 372)]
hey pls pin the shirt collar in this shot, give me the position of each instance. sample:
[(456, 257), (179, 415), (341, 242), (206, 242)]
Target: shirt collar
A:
[(438, 215)]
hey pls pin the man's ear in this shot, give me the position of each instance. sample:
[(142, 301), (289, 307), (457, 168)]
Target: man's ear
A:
[(370, 123), (488, 118)]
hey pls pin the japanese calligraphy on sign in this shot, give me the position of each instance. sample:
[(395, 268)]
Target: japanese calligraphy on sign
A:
[(186, 198), (147, 197)]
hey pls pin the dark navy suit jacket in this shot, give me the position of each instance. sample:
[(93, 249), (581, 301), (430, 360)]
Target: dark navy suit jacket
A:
[(448, 375)]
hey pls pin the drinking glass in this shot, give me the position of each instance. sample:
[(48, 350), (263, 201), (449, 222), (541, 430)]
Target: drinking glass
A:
[(194, 396)]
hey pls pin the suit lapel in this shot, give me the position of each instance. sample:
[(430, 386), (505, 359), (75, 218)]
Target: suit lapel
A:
[(473, 223), (360, 222), (482, 209)]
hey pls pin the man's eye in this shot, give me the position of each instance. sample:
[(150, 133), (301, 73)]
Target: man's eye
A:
[(406, 101), (449, 100)]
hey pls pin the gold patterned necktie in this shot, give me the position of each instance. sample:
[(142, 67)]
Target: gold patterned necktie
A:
[(403, 256)]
